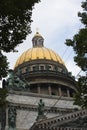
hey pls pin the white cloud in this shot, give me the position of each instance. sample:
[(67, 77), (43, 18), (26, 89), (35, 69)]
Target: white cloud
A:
[(72, 67), (52, 14)]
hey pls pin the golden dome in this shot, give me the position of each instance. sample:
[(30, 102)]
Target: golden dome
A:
[(38, 53)]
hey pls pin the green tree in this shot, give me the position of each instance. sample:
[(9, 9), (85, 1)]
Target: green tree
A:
[(3, 103), (3, 66), (79, 41), (3, 95), (15, 22), (79, 44), (80, 97)]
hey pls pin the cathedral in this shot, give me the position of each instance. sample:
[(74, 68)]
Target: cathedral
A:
[(40, 92)]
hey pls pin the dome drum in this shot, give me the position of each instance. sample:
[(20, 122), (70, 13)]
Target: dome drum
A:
[(44, 68), (45, 76), (46, 73), (37, 65)]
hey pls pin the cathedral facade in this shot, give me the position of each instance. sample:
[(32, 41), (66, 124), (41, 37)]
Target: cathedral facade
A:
[(41, 75)]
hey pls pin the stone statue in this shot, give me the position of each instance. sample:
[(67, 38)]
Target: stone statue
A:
[(41, 109), (16, 82), (10, 80), (12, 118)]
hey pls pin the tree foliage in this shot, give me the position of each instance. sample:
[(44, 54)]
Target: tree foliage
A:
[(3, 104), (79, 41), (81, 96), (15, 22), (3, 95), (3, 66), (79, 44)]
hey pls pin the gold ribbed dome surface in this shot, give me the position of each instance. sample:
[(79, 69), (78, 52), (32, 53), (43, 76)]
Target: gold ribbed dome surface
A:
[(38, 53)]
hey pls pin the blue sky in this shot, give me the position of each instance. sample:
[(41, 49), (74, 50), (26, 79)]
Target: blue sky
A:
[(57, 20)]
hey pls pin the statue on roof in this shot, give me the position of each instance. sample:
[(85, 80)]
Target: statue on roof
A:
[(41, 109), (10, 80), (16, 82), (41, 106)]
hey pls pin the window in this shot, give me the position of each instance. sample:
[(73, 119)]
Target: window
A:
[(34, 68), (59, 69), (55, 68), (42, 67), (50, 67), (24, 70)]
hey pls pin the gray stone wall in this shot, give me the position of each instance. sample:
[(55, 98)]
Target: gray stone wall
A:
[(49, 101), (25, 119), (26, 105)]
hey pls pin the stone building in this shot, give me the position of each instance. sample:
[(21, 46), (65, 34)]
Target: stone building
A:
[(40, 73)]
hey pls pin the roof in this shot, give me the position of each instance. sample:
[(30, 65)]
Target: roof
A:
[(71, 121), (38, 53)]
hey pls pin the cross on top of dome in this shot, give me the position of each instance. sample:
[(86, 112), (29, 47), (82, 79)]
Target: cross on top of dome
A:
[(37, 40)]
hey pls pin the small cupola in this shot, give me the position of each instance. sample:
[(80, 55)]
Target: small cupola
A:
[(37, 40)]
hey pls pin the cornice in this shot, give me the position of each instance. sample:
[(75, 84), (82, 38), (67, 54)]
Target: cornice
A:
[(39, 95), (28, 107)]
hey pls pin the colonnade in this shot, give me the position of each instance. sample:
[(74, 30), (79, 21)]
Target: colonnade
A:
[(58, 90)]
